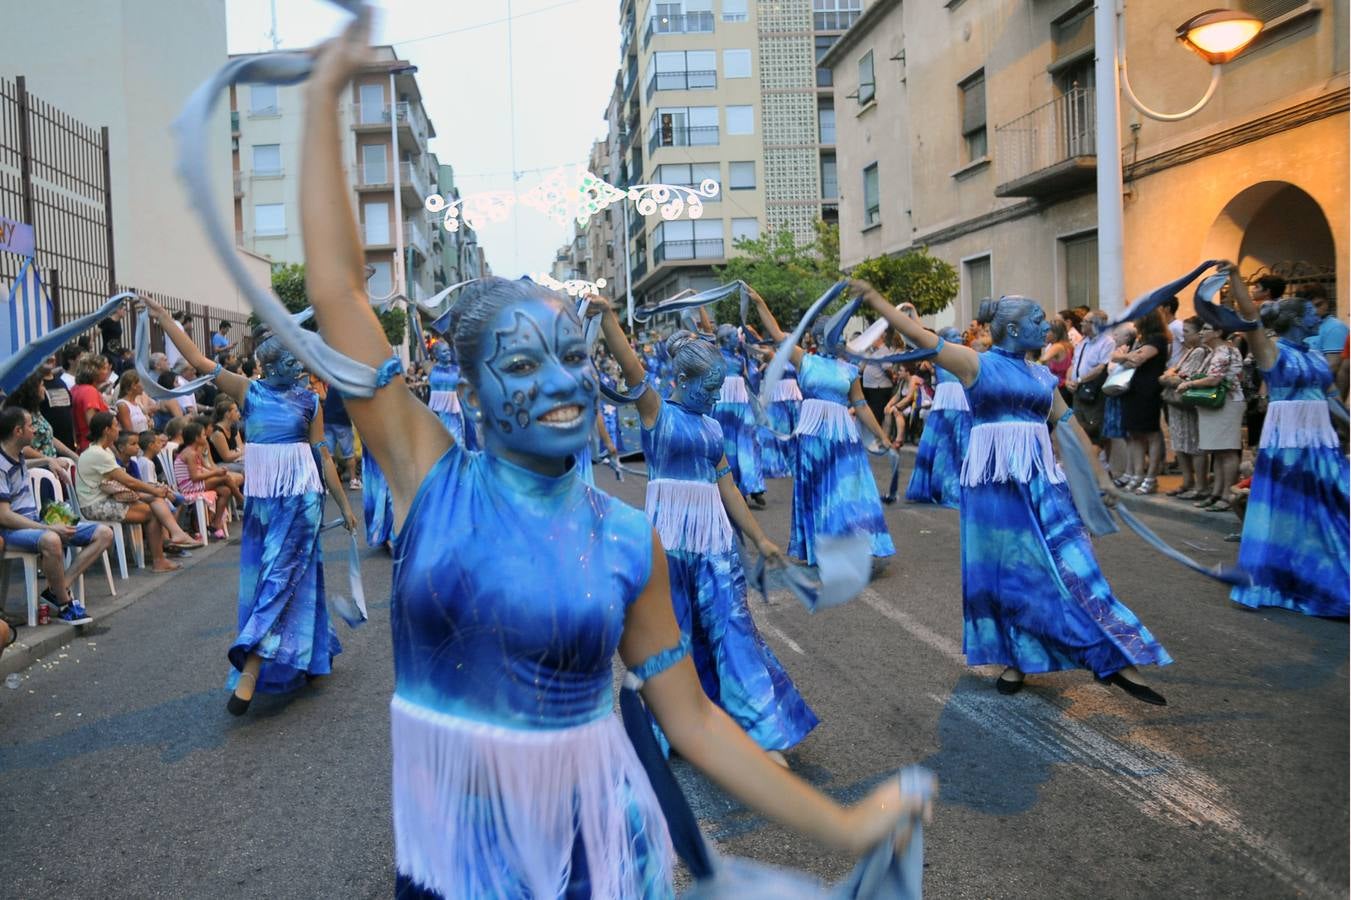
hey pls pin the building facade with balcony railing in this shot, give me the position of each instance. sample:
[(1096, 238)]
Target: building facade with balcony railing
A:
[(993, 154)]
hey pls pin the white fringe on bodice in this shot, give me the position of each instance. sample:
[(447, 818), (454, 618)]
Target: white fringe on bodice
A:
[(734, 390), (462, 786), (1010, 451), (280, 470), (444, 401), (787, 391), (689, 515), (827, 419), (949, 395), (1298, 423)]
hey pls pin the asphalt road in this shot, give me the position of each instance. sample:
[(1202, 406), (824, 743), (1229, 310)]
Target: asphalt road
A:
[(121, 775)]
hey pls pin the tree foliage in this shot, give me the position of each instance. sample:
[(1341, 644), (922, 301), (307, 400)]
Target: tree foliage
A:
[(788, 275), (917, 276), (288, 283)]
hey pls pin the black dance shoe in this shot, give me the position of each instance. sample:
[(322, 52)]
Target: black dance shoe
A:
[(1140, 692), (235, 706), (1008, 686)]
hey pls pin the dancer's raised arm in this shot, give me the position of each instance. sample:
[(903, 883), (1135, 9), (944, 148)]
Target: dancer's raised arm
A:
[(960, 361), (649, 404), (405, 437), (1264, 349), (772, 324), (234, 385)]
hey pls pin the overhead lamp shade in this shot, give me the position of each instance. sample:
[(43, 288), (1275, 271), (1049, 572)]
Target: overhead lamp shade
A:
[(1219, 35)]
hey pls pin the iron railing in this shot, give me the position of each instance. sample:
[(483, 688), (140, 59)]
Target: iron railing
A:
[(687, 136), (1053, 133), (689, 80), (686, 23), (704, 248)]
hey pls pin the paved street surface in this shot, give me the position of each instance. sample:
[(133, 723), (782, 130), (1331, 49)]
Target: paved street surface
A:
[(121, 775)]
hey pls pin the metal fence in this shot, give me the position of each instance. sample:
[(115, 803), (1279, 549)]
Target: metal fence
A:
[(54, 175), (1052, 133)]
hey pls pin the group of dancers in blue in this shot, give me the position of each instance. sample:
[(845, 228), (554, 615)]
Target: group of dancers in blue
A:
[(516, 582)]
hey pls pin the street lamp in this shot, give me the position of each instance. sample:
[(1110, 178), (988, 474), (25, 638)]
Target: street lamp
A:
[(399, 272), (1217, 36)]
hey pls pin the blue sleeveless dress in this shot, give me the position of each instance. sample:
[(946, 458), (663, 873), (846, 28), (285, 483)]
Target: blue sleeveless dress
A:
[(938, 460), (778, 455), (834, 491), (282, 615), (376, 501), (1295, 530), (444, 400), (740, 436), (708, 586), (512, 775), (1033, 595)]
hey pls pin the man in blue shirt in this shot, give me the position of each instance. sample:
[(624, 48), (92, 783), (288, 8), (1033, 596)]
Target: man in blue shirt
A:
[(220, 341), (1332, 331), (23, 530)]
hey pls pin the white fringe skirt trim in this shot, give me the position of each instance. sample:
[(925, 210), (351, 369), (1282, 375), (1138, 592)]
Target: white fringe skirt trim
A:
[(950, 395), (734, 390), (787, 391), (1010, 451), (827, 419), (1298, 423), (467, 794), (444, 401), (280, 470), (689, 515)]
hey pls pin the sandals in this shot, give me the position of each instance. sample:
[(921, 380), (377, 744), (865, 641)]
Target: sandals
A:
[(1205, 504), (1146, 486), (1219, 506), (1188, 494), (1178, 492)]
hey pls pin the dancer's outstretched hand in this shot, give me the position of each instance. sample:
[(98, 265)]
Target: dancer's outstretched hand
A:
[(338, 59), (772, 554), (876, 816)]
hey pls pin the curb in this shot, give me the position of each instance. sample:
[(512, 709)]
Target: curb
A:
[(35, 643), (1159, 506)]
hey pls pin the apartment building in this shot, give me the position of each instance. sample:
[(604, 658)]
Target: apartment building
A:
[(725, 91), (969, 127), (385, 131), (460, 256)]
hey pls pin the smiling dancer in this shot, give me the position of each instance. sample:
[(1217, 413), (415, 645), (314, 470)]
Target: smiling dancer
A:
[(694, 502), (834, 491), (284, 635), (936, 477), (514, 585), (1294, 541), (1033, 597), (740, 436), (442, 398)]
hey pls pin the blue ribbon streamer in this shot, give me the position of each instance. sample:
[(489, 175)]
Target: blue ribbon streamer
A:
[(843, 568), (1147, 303), (351, 610), (15, 370), (152, 387), (703, 298), (1221, 318), (782, 356)]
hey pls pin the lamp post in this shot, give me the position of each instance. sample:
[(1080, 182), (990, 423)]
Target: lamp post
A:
[(1217, 36), (398, 271)]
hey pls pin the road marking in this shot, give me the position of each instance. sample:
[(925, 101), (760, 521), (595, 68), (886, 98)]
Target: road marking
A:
[(945, 646), (779, 635)]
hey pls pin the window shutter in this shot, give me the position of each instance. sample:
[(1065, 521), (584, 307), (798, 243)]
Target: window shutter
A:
[(973, 104)]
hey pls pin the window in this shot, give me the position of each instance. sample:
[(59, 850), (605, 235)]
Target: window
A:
[(835, 15), (830, 185), (377, 222), (372, 106), (267, 159), (734, 11), (867, 84), (1081, 270), (872, 197), (736, 64), (741, 175), (374, 165), (745, 229), (381, 284), (973, 116), (680, 70), (976, 274), (683, 127), (825, 120), (269, 219), (824, 42), (690, 175), (698, 239), (263, 100), (740, 120)]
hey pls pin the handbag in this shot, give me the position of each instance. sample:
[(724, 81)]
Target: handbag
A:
[(1118, 382), (1087, 392), (1212, 397)]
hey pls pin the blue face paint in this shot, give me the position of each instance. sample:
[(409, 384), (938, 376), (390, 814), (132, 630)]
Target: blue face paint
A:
[(537, 389), (284, 371), (1309, 322), (442, 354), (1027, 332), (699, 394)]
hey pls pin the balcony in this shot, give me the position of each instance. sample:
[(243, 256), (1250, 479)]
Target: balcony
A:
[(686, 23), (835, 19), (1050, 150), (239, 184), (234, 122), (689, 136), (415, 235), (637, 223), (639, 267), (666, 251), (412, 179), (413, 127), (695, 80)]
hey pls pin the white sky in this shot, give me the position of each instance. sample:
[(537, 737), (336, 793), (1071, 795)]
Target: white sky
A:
[(565, 53)]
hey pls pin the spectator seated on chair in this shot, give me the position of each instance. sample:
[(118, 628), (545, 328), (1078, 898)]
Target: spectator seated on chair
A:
[(108, 492), (23, 531), (196, 479)]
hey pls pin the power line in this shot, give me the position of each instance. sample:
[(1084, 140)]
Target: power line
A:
[(507, 18)]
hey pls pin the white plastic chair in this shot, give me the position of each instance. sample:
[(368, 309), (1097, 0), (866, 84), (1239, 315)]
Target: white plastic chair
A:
[(119, 540), (166, 461), (38, 477)]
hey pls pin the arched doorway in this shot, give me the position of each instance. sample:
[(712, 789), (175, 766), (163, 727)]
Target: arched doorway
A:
[(1274, 226)]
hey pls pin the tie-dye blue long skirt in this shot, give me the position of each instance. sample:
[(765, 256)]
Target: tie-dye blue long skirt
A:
[(282, 613), (741, 443), (376, 500), (835, 493), (777, 455), (937, 476)]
